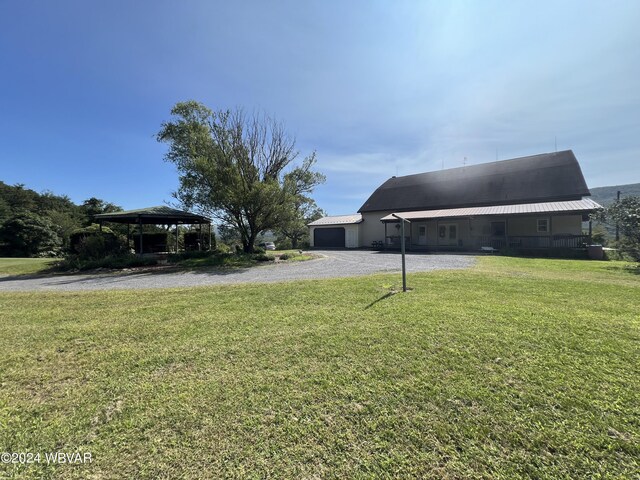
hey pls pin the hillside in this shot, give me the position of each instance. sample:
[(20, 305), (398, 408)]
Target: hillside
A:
[(607, 195)]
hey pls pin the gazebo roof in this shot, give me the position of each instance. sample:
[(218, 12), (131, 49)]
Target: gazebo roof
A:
[(153, 215)]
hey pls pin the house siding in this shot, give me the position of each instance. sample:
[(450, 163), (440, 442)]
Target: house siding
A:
[(372, 228)]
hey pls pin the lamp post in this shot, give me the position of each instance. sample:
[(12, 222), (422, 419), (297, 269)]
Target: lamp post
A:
[(402, 249)]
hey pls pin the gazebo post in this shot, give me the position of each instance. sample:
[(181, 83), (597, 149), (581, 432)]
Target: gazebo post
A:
[(128, 238), (176, 237), (210, 236), (199, 236)]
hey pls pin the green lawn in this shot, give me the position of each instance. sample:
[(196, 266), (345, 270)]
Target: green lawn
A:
[(517, 368), (24, 266)]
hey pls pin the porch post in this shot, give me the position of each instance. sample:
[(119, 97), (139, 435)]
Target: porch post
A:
[(209, 237), (550, 231), (404, 270), (506, 231), (128, 237), (176, 237), (200, 236), (140, 233), (437, 235), (385, 235), (590, 230)]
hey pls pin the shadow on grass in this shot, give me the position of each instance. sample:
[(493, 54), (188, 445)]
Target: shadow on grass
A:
[(383, 297), (633, 269)]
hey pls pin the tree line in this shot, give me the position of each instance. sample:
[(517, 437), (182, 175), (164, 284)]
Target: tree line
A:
[(33, 223)]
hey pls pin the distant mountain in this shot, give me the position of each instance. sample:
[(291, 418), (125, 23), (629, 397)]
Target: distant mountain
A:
[(607, 195)]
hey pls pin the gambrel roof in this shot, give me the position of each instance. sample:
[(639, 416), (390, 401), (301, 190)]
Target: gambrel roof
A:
[(548, 177)]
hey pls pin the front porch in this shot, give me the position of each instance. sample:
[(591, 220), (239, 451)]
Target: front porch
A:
[(474, 233)]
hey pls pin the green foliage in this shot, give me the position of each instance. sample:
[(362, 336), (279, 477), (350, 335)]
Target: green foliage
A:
[(94, 206), (27, 234), (98, 246), (283, 243), (115, 262), (626, 214), (79, 234), (59, 210), (285, 256), (263, 257), (599, 235), (234, 167), (222, 248), (178, 257), (293, 231)]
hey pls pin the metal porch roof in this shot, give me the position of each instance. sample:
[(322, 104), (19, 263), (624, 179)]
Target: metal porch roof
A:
[(573, 206)]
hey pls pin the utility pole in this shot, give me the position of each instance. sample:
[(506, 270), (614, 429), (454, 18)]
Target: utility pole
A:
[(617, 224)]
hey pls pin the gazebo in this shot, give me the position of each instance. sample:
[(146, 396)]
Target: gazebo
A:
[(161, 215)]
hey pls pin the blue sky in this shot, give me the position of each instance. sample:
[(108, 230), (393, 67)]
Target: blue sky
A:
[(375, 88)]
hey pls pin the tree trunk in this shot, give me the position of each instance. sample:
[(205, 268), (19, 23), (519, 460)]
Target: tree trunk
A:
[(248, 246)]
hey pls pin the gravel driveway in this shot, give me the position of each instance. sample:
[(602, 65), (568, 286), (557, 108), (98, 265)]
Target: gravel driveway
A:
[(331, 264)]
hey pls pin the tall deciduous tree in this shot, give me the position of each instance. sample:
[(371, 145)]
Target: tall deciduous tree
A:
[(295, 226), (232, 167)]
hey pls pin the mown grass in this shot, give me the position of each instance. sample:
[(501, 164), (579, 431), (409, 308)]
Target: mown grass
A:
[(517, 368), (24, 266)]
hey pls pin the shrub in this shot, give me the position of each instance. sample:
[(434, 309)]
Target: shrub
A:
[(284, 244), (222, 248), (98, 246), (81, 233), (177, 257), (262, 257), (259, 250), (74, 262), (285, 256), (599, 235)]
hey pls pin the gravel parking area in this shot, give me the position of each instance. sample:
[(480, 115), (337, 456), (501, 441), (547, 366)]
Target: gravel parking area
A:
[(331, 264)]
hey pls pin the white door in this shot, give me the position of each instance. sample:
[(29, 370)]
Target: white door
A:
[(422, 234), (352, 238)]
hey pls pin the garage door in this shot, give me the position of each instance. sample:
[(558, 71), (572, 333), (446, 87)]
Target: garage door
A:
[(328, 237)]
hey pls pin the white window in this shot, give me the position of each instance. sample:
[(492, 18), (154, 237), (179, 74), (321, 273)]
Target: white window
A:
[(543, 225)]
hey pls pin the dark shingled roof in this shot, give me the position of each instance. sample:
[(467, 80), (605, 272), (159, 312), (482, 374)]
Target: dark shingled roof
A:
[(547, 177), (153, 215)]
